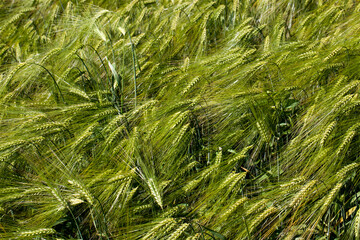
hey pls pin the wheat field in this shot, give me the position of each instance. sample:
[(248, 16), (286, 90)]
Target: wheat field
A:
[(159, 119)]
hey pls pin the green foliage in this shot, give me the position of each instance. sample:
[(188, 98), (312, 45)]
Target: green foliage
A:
[(179, 119)]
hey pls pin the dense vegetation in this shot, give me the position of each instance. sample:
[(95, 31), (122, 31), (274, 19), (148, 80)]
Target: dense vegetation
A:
[(179, 119)]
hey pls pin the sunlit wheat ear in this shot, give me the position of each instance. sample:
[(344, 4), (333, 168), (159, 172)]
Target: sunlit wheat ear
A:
[(130, 196), (229, 179), (79, 92), (346, 141), (263, 131), (233, 184), (121, 176), (343, 172), (187, 168), (195, 237), (58, 197), (121, 195), (155, 192), (114, 122), (163, 224), (181, 134), (172, 211), (335, 52), (179, 118), (100, 178), (332, 66), (241, 59), (190, 85), (142, 207), (309, 114), (307, 55), (330, 198), (11, 144), (203, 36), (191, 185), (303, 70), (257, 206), (106, 113), (10, 21), (78, 107), (85, 135), (357, 225), (49, 55), (7, 155), (38, 232), (347, 88), (303, 193), (89, 198), (11, 74), (118, 131), (175, 235), (233, 207), (294, 183), (240, 155), (351, 107), (203, 176), (327, 132), (271, 210)]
